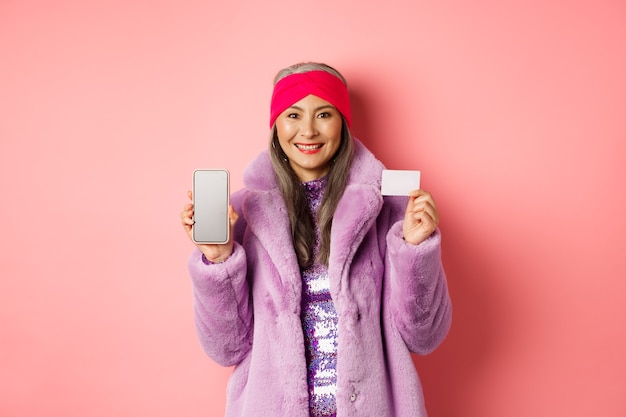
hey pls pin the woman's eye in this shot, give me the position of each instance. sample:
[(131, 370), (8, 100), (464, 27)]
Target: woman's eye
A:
[(292, 115), (324, 114)]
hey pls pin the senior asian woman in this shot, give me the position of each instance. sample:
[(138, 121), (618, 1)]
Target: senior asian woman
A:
[(325, 287)]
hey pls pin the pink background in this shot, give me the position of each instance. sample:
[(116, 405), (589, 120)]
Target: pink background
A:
[(514, 111)]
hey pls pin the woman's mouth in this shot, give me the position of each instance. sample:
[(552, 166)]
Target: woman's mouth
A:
[(304, 147)]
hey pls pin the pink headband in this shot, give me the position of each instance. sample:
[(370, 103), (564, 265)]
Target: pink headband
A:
[(322, 84)]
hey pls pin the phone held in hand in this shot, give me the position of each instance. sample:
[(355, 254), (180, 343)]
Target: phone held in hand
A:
[(211, 195)]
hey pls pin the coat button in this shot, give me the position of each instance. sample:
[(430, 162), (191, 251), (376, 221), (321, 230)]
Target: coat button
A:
[(353, 397)]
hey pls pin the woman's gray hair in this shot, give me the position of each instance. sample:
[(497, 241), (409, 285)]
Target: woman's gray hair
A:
[(307, 67)]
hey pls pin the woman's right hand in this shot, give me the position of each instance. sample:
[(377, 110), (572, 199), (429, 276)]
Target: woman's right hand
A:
[(213, 252)]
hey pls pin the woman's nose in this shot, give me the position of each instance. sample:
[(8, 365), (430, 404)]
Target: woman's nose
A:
[(308, 127)]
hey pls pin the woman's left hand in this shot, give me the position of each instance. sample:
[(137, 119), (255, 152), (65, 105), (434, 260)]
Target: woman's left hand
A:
[(421, 217)]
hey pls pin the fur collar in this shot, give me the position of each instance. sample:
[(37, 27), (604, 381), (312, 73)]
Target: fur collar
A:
[(265, 212)]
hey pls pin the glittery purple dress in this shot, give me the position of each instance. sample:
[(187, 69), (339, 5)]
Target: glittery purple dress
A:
[(319, 321)]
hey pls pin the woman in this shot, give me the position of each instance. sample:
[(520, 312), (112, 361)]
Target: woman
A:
[(325, 287)]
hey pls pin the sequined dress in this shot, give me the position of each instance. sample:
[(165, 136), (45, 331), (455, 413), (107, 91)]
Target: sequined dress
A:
[(319, 322)]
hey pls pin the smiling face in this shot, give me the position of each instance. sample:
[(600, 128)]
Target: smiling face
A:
[(309, 132)]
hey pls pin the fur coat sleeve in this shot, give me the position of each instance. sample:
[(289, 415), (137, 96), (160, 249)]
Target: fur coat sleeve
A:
[(415, 295), (222, 305), (418, 294)]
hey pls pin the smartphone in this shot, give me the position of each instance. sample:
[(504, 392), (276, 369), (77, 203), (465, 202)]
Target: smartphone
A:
[(211, 195)]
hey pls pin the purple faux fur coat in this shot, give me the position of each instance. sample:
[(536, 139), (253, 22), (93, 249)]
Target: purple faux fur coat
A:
[(391, 298)]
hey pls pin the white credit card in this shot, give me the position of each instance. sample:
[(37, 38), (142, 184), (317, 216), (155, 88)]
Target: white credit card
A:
[(399, 182)]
